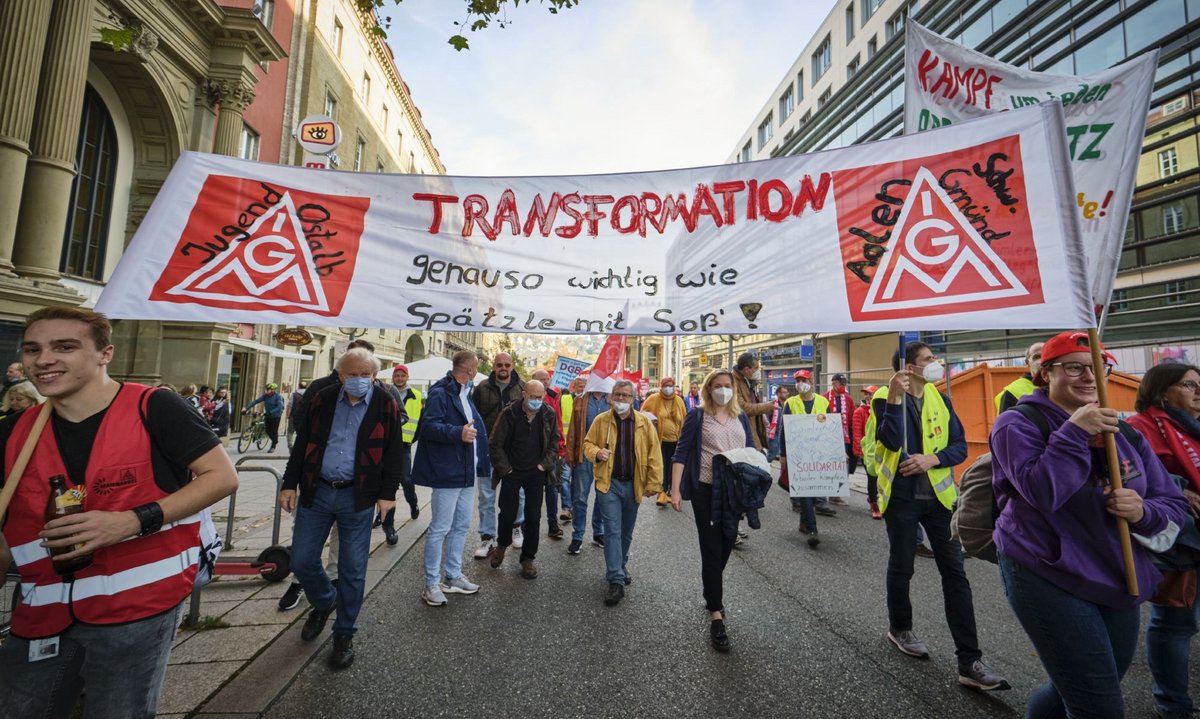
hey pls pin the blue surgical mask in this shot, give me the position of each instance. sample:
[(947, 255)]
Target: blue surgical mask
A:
[(534, 404), (358, 386)]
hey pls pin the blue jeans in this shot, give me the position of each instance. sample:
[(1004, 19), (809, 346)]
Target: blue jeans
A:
[(773, 447), (1168, 642), (309, 533), (581, 487), (551, 505), (449, 521), (122, 666), (1084, 647), (619, 508), (564, 482), (808, 513), (487, 508)]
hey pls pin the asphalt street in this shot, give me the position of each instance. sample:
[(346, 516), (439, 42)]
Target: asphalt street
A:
[(807, 629)]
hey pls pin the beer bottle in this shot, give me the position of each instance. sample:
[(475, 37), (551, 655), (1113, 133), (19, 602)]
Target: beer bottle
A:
[(62, 502)]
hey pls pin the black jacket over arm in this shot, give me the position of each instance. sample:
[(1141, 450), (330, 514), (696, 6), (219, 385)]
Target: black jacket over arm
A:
[(377, 453)]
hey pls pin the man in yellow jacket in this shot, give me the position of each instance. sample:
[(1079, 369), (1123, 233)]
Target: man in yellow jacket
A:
[(623, 448), (667, 406)]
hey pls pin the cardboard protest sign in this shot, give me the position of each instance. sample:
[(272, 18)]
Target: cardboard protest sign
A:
[(886, 236), (816, 455), (1105, 121)]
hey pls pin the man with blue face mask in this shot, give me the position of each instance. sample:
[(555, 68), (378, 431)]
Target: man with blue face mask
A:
[(346, 463), (524, 449)]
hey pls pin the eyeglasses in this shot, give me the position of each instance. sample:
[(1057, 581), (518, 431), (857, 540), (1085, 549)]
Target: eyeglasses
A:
[(1189, 385), (1075, 369), (623, 395)]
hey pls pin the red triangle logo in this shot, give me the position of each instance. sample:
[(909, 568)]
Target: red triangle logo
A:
[(936, 257), (272, 266)]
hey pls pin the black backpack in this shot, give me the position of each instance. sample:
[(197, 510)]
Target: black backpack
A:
[(974, 517)]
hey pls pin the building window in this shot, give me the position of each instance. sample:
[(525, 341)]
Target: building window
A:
[(265, 11), (800, 86), (366, 87), (412, 162), (1179, 103), (330, 104), (337, 37), (248, 148), (849, 23), (824, 98), (872, 47), (384, 118), (1168, 162), (745, 156), (787, 103), (852, 67), (766, 130), (822, 59), (379, 167), (895, 24), (1120, 301), (86, 237), (1172, 218), (868, 9), (1177, 292), (360, 149)]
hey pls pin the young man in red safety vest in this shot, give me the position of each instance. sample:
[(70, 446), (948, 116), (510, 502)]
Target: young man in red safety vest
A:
[(130, 453)]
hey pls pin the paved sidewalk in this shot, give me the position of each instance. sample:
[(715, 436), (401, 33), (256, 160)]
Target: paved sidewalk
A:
[(237, 669)]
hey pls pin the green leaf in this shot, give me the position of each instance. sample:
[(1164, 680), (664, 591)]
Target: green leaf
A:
[(478, 25), (119, 39), (379, 31), (459, 42)]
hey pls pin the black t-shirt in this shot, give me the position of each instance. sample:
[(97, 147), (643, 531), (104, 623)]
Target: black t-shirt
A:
[(178, 437)]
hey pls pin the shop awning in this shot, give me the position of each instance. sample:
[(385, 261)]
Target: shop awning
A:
[(273, 351)]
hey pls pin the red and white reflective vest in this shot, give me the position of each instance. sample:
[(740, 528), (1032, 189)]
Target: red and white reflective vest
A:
[(130, 580)]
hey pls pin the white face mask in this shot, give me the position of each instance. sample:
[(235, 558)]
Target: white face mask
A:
[(722, 395), (621, 407), (804, 387), (933, 372), (668, 390)]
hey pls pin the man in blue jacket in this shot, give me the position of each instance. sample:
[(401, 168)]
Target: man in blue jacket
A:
[(451, 453), (272, 402)]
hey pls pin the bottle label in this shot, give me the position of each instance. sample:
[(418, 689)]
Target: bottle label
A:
[(71, 498)]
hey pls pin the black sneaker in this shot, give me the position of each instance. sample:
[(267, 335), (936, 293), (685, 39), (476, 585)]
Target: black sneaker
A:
[(825, 510), (315, 624), (390, 534), (378, 522), (614, 595), (414, 510), (720, 640), (291, 598), (574, 547), (628, 578), (813, 539), (978, 675), (598, 541)]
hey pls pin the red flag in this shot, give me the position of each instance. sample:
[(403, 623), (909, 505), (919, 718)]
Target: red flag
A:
[(609, 366)]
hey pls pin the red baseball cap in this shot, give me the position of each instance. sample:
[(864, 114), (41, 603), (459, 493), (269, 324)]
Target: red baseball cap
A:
[(1064, 343), (802, 374), (401, 367), (870, 389)]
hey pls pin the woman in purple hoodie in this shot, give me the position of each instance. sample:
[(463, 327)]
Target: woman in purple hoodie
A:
[(1056, 534)]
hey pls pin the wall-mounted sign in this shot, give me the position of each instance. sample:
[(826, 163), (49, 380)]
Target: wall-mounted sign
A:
[(293, 336), (319, 134)]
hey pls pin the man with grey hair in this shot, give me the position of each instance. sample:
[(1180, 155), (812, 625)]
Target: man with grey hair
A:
[(623, 447), (346, 465), (501, 388)]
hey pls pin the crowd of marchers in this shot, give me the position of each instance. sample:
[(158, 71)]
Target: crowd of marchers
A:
[(109, 481)]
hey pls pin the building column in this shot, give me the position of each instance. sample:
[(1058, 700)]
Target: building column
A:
[(234, 96), (51, 166), (21, 48)]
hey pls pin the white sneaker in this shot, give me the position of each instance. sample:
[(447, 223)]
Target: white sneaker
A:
[(485, 548), (432, 595), (518, 538), (462, 585)]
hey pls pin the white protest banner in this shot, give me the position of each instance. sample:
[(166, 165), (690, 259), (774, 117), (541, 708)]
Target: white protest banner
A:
[(565, 370), (691, 251), (816, 455), (946, 83)]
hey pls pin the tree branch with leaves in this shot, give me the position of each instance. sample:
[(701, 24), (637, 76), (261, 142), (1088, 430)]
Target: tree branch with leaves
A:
[(481, 14)]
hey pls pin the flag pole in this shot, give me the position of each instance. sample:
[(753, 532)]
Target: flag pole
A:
[(1114, 467)]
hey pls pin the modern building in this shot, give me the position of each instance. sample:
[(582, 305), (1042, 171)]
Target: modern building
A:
[(847, 86), (97, 100)]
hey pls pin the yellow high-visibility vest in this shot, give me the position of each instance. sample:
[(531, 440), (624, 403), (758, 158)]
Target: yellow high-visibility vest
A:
[(412, 408), (935, 436), (796, 405), (1017, 388), (566, 405)]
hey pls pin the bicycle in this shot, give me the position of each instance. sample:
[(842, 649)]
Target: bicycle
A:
[(256, 433)]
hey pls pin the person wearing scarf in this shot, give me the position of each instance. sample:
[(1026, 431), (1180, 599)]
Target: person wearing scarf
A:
[(1168, 402)]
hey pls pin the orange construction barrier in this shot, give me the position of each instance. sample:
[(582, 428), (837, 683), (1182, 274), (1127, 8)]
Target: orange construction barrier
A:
[(973, 394)]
